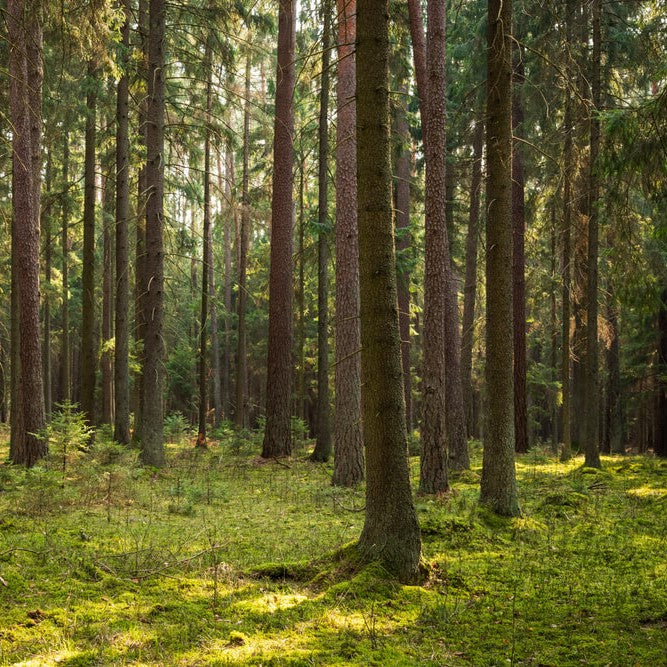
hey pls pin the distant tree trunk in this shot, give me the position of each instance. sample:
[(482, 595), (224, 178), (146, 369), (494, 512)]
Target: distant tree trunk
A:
[(554, 329), (277, 434), (46, 226), (419, 55), (65, 375), (470, 285), (140, 261), (391, 531), (121, 356), (241, 360), (592, 413), (518, 263), (433, 468), (3, 393), (230, 219), (322, 450), (152, 446), (25, 75), (106, 363), (301, 297), (206, 254), (498, 486), (403, 173), (88, 352), (661, 436), (348, 444), (616, 444)]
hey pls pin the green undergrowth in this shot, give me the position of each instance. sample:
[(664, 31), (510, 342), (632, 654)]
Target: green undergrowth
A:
[(224, 559)]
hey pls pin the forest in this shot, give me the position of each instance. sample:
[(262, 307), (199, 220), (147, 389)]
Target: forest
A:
[(333, 332)]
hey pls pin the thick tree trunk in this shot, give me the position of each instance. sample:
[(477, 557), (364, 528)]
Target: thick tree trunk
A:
[(88, 352), (498, 487), (433, 468), (322, 450), (152, 446), (25, 75), (518, 264), (277, 434), (121, 356), (391, 531), (348, 445), (592, 413), (470, 285)]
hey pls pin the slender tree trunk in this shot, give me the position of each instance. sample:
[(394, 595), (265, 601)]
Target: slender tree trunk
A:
[(433, 469), (121, 356), (106, 362), (322, 450), (301, 298), (470, 285), (206, 254), (88, 352), (391, 531), (46, 226), (231, 219), (592, 414), (660, 447), (152, 446), (65, 374), (403, 174), (554, 329), (3, 392), (498, 487), (277, 435), (25, 75), (241, 358), (616, 444), (518, 264), (348, 444)]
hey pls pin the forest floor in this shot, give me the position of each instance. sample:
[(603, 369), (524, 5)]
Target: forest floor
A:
[(224, 559)]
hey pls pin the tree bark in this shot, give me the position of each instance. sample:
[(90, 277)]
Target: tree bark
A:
[(88, 352), (348, 444), (498, 486), (322, 450), (470, 285), (614, 392), (46, 226), (152, 445), (108, 220), (391, 531), (65, 374), (277, 434), (121, 356), (660, 448)]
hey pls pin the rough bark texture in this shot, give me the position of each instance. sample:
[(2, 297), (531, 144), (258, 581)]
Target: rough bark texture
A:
[(25, 74), (518, 264), (152, 446), (433, 463), (242, 299), (277, 434), (322, 450), (661, 436), (498, 487), (402, 203), (348, 446), (65, 375), (391, 532), (231, 221), (121, 359), (88, 351), (470, 285), (106, 361), (46, 227), (592, 413)]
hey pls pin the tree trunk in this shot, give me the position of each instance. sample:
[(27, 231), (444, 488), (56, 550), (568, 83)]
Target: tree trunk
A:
[(121, 356), (65, 374), (498, 486), (106, 362), (433, 468), (348, 445), (470, 285), (660, 447), (518, 264), (614, 395), (322, 450), (277, 434), (230, 219), (25, 75), (88, 352), (592, 413), (206, 254), (391, 532), (152, 446), (46, 226), (300, 408)]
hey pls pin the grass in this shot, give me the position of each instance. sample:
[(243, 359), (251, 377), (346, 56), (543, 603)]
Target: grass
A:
[(223, 559)]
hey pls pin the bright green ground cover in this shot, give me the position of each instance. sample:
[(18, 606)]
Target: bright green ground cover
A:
[(223, 560)]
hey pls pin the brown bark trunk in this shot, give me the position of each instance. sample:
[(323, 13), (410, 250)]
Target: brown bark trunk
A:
[(277, 435), (106, 362), (614, 395), (470, 285), (498, 486), (391, 531), (121, 356), (152, 446), (65, 373), (46, 226), (660, 447), (348, 445)]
